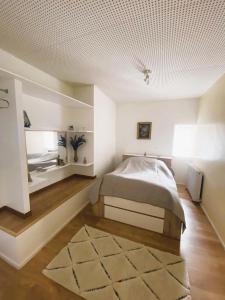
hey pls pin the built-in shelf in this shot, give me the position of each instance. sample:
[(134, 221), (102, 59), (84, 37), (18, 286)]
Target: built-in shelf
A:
[(38, 90), (84, 131), (41, 179), (39, 174), (36, 180), (44, 129), (71, 111), (82, 164), (54, 168), (37, 183), (57, 130)]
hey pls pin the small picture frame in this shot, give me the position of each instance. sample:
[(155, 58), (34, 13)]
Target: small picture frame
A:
[(144, 130)]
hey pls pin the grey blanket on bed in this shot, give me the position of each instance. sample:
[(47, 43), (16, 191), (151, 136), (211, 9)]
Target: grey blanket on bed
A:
[(141, 179)]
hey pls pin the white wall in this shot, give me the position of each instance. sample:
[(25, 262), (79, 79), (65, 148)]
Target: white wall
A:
[(210, 153), (164, 115), (13, 167), (105, 132)]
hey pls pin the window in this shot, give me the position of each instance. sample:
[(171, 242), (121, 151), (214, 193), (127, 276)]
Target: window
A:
[(183, 141)]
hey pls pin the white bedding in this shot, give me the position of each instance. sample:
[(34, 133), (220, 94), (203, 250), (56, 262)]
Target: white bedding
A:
[(141, 179)]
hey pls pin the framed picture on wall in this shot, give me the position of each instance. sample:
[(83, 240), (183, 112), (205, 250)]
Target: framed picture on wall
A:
[(144, 130)]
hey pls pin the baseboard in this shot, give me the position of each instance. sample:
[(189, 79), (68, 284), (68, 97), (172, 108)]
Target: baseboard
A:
[(10, 261), (213, 226), (51, 236)]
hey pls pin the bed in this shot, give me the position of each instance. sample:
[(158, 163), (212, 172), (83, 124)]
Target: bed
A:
[(141, 192)]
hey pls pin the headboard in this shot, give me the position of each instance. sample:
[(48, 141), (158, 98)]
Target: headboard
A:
[(166, 159)]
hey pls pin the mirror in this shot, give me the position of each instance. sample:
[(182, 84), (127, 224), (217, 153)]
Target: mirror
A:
[(45, 150)]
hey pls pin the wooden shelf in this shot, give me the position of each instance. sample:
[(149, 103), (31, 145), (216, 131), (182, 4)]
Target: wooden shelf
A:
[(38, 90)]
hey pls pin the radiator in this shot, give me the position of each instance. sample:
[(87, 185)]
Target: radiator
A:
[(194, 183)]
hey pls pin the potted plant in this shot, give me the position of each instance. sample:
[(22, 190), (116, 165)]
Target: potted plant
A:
[(62, 147), (62, 141), (76, 142)]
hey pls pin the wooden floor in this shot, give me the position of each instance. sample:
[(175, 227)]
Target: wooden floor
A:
[(200, 247), (203, 252), (42, 203)]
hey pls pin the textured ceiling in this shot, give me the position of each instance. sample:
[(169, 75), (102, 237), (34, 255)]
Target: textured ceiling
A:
[(109, 42)]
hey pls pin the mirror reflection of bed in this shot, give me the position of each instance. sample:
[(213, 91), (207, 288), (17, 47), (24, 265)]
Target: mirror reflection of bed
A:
[(43, 150)]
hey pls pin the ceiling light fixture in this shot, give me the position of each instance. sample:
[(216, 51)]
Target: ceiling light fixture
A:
[(146, 73)]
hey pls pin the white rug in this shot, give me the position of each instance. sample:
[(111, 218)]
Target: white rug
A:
[(100, 266)]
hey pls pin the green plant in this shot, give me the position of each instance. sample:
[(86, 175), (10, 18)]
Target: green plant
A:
[(62, 141), (77, 141)]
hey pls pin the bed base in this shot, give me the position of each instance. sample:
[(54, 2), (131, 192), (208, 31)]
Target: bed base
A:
[(140, 215)]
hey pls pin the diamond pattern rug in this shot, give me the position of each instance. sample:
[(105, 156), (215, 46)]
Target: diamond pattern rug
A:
[(100, 266)]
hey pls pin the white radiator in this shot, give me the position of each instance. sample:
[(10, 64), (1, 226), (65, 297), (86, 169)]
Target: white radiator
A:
[(194, 183)]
